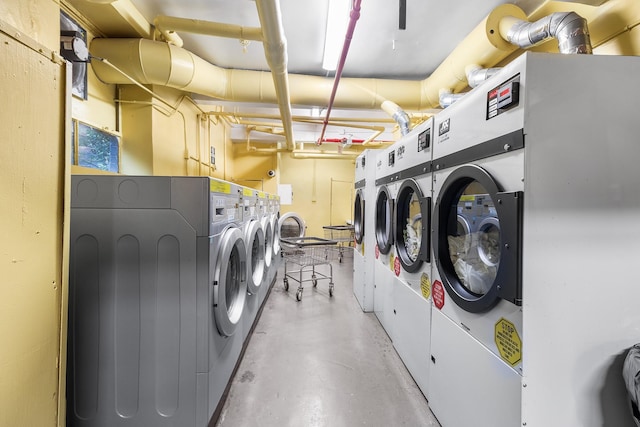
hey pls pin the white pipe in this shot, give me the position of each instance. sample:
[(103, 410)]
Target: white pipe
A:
[(275, 49)]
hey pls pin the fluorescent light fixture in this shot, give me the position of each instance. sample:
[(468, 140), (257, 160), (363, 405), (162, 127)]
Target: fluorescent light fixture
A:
[(337, 21)]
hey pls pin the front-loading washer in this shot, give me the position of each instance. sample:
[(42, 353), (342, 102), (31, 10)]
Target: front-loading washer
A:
[(531, 321), (386, 181), (412, 265), (252, 213), (363, 230), (157, 290)]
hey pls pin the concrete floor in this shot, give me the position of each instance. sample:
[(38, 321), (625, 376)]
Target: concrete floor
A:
[(322, 362)]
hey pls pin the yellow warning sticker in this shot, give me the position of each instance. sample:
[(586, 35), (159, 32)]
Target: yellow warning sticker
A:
[(362, 248), (392, 261), (467, 198), (508, 342), (247, 192), (219, 187), (425, 285), (261, 194)]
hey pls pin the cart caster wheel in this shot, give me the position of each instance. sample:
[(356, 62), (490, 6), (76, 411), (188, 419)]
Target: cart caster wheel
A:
[(286, 284), (331, 290), (314, 281), (299, 295)]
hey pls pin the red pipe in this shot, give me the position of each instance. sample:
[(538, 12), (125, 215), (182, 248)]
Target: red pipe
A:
[(354, 141), (354, 15)]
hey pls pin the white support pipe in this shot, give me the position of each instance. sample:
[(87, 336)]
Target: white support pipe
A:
[(275, 49)]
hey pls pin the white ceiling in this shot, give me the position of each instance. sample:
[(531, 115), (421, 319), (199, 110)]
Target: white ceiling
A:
[(379, 49)]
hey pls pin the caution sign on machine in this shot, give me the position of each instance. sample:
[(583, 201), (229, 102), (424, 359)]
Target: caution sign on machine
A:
[(508, 342), (425, 286)]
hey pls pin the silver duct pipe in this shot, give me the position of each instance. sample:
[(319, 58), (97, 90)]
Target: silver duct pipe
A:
[(569, 28), (398, 114), (476, 74), (446, 98)]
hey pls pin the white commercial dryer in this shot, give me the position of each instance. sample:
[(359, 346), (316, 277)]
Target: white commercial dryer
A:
[(256, 269), (363, 230), (536, 306), (412, 265), (157, 289), (386, 177)]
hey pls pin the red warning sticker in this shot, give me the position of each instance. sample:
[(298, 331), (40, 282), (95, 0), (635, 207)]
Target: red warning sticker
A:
[(437, 294), (396, 266), (377, 251)]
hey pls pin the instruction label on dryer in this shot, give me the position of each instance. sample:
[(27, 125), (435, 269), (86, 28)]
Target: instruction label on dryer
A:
[(508, 342), (425, 286)]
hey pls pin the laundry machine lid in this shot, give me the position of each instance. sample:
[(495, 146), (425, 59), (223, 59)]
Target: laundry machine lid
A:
[(412, 226), (230, 281), (384, 220), (291, 225), (477, 240), (255, 256), (358, 216)]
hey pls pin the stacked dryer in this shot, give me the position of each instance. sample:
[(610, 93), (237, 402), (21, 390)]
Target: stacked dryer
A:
[(411, 291), (534, 301), (363, 225), (157, 290)]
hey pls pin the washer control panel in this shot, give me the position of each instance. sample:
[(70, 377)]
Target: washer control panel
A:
[(503, 97)]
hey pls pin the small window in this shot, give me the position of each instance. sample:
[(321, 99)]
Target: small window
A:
[(95, 148)]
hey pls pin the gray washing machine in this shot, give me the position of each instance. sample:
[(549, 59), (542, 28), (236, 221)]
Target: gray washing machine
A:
[(157, 290), (254, 238)]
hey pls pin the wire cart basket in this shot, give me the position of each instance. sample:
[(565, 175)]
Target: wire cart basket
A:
[(301, 257), (343, 235)]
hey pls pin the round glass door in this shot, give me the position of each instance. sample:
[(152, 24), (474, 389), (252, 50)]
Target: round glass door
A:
[(291, 225), (276, 237), (384, 225), (255, 254), (474, 251), (477, 240), (268, 241), (230, 282), (412, 226), (358, 217)]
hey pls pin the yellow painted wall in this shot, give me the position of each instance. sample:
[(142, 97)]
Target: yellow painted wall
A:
[(251, 169), (32, 212), (311, 181)]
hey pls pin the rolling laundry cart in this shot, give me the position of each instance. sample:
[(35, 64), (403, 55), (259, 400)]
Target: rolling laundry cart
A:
[(302, 255), (343, 235)]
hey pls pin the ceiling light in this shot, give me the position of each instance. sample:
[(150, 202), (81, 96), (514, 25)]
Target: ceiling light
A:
[(337, 21)]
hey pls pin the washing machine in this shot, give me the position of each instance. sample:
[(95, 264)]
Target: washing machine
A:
[(157, 289), (412, 265), (531, 317), (386, 182), (270, 257), (252, 214), (363, 227)]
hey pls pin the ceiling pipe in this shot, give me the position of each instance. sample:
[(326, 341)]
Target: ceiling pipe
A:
[(569, 28), (151, 62), (476, 74), (354, 15), (398, 114), (275, 50), (169, 25)]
